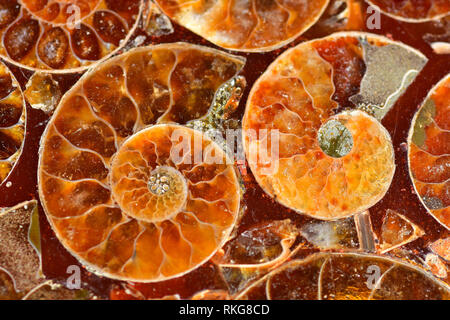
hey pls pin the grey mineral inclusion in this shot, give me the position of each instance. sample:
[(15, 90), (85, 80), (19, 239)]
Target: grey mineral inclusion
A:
[(390, 70)]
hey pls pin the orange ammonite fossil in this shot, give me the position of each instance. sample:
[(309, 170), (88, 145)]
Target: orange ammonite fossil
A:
[(127, 191), (248, 25), (307, 145), (413, 10), (12, 121), (347, 276), (429, 152), (62, 36)]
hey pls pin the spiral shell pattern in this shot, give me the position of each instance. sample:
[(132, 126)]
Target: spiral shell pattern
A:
[(251, 25), (118, 194), (65, 36), (413, 10), (296, 97), (12, 121), (429, 152)]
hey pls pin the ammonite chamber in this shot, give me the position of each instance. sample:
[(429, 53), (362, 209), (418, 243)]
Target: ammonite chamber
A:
[(63, 36), (12, 121), (429, 152), (128, 194)]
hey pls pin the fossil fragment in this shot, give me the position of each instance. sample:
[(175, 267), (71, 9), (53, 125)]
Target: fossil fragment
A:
[(436, 266), (156, 23), (339, 234), (442, 248), (19, 246), (255, 252), (43, 92), (441, 47), (397, 230)]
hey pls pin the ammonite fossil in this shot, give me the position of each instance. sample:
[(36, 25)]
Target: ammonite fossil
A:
[(12, 121), (347, 276), (116, 191), (65, 35), (307, 141), (429, 152), (413, 10), (249, 25)]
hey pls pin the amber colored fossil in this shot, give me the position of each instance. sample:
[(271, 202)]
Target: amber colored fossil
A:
[(442, 248), (12, 121), (111, 185), (429, 152), (329, 163), (249, 25), (397, 231), (413, 10), (19, 247), (65, 36), (347, 276)]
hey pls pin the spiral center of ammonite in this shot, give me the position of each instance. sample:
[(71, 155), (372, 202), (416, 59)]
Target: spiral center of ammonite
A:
[(335, 139), (164, 180), (159, 184), (144, 190)]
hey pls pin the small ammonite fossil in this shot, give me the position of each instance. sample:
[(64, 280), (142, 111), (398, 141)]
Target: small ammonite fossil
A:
[(248, 25), (127, 191), (307, 141), (347, 276), (413, 10), (12, 121), (65, 36), (429, 152)]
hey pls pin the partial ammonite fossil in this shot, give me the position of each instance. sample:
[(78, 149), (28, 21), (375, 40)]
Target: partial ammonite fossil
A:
[(248, 25), (59, 36), (12, 121), (347, 276), (429, 152), (127, 191), (307, 141), (413, 10)]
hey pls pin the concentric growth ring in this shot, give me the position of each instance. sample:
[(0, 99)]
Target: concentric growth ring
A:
[(128, 194)]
